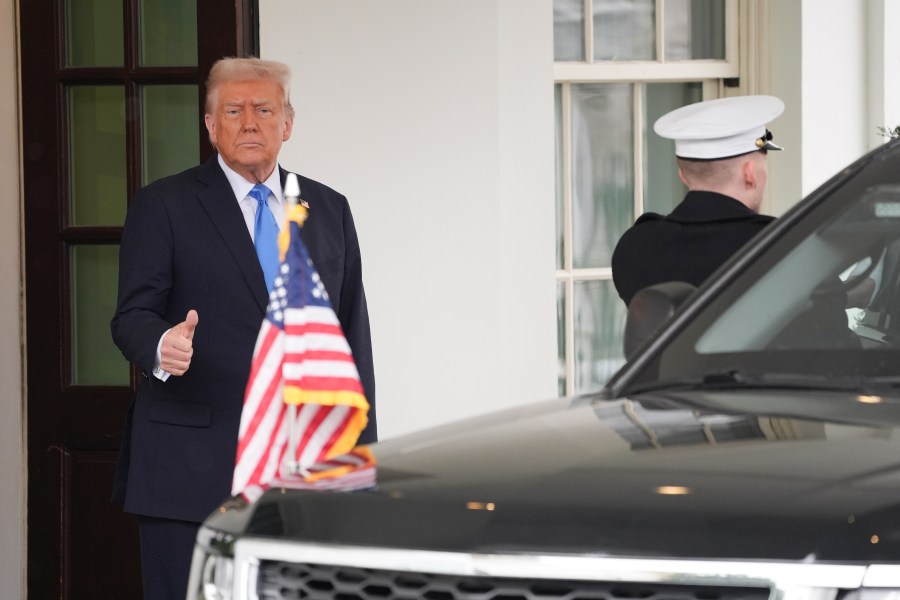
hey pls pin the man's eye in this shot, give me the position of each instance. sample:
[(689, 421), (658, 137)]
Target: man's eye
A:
[(265, 111)]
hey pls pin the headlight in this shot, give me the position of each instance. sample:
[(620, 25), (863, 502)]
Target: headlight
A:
[(212, 567), (217, 577)]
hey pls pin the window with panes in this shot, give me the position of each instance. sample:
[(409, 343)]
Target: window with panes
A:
[(143, 103), (618, 66)]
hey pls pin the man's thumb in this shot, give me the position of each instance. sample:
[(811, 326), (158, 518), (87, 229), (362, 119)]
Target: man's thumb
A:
[(190, 323)]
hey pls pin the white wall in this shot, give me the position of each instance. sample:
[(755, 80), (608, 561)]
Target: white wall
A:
[(12, 423), (834, 91), (835, 96), (883, 67), (436, 120)]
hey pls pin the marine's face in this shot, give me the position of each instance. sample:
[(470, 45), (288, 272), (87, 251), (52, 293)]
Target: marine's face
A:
[(248, 125)]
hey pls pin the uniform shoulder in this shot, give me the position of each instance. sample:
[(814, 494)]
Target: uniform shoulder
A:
[(649, 216), (763, 219), (635, 237)]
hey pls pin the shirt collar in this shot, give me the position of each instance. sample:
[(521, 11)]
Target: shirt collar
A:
[(242, 187)]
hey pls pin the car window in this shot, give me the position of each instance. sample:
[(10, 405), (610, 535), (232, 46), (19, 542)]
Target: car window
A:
[(817, 296), (822, 301)]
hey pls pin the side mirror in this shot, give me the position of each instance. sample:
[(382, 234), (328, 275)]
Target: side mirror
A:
[(649, 309)]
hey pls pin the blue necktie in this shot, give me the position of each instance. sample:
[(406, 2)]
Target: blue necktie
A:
[(265, 235)]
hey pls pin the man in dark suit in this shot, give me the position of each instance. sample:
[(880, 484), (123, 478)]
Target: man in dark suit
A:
[(192, 297), (721, 148)]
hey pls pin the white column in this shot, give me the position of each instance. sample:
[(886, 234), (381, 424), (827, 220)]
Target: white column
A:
[(883, 68), (783, 43), (834, 88), (819, 68)]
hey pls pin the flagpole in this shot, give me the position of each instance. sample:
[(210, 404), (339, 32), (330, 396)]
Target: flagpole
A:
[(291, 461)]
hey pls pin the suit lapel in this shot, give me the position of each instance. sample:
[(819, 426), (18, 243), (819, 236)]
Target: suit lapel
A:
[(217, 199)]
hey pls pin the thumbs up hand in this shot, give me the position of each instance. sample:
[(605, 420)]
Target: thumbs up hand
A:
[(178, 346)]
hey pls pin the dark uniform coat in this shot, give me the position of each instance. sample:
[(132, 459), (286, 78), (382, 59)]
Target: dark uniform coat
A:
[(186, 246), (688, 244)]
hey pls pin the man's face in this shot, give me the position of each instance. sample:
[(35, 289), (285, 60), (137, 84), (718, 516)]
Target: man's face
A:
[(247, 126)]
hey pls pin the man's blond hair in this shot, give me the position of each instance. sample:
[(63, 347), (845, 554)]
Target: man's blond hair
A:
[(246, 69)]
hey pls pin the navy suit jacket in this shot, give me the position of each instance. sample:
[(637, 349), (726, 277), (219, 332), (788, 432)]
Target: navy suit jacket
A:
[(185, 246)]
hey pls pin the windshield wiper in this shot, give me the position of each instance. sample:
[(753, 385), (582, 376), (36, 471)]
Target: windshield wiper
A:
[(735, 379)]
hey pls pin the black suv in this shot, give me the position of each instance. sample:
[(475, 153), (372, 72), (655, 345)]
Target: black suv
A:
[(749, 449)]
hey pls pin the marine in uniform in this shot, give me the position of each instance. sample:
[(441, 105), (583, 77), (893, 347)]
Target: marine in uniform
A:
[(721, 147)]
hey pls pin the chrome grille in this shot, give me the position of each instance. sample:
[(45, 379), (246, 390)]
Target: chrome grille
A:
[(279, 580)]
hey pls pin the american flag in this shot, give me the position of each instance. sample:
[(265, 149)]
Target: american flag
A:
[(302, 371)]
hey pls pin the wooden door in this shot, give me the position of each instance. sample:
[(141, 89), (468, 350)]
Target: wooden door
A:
[(112, 94)]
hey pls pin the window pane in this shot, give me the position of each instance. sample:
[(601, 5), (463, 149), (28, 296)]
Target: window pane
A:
[(694, 29), (94, 276), (170, 130), (568, 30), (602, 170), (560, 174), (599, 323), (663, 188), (94, 33), (97, 155), (624, 29), (168, 32), (561, 338)]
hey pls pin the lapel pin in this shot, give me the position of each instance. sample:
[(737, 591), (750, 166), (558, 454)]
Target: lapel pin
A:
[(292, 191)]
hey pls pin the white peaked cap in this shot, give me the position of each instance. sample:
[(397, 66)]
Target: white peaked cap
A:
[(721, 128)]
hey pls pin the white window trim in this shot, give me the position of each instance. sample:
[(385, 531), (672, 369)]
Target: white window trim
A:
[(743, 20), (660, 69)]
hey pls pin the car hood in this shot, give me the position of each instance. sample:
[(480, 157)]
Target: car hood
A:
[(635, 477)]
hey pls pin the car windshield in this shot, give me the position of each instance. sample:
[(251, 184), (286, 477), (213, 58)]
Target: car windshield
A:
[(820, 304)]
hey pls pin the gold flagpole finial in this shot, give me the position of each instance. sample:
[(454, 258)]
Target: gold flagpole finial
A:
[(295, 210)]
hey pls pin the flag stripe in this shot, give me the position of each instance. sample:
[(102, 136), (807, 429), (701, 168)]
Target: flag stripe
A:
[(324, 384), (300, 342), (263, 465), (320, 368), (307, 328), (297, 395), (319, 355), (262, 389), (254, 447), (308, 452), (310, 313), (317, 443)]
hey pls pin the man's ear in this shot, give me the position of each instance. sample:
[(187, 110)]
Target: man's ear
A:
[(748, 171), (210, 127), (288, 128), (683, 178)]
